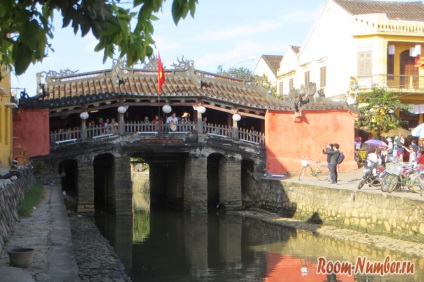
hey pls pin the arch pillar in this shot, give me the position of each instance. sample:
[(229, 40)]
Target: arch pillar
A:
[(123, 185), (196, 184), (85, 186), (230, 183)]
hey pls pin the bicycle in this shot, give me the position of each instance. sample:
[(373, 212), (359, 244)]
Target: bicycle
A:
[(321, 172), (401, 176)]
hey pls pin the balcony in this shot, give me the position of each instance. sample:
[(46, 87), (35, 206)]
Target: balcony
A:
[(405, 84)]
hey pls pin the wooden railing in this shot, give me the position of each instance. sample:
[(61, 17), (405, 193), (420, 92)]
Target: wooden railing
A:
[(135, 127)]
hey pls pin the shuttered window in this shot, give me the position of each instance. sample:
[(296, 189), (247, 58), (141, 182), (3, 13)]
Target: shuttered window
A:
[(323, 77), (364, 64)]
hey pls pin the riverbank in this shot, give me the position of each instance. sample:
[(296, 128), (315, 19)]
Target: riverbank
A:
[(380, 242), (68, 246)]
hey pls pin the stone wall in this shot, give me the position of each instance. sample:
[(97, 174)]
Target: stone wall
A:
[(373, 213), (12, 191)]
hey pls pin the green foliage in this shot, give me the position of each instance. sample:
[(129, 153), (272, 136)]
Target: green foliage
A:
[(26, 27), (234, 72), (32, 198), (377, 110)]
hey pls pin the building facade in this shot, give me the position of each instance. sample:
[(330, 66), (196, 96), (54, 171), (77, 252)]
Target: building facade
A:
[(6, 106), (356, 45)]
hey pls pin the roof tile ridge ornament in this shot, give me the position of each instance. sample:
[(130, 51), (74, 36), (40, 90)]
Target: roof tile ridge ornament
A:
[(52, 75), (183, 64)]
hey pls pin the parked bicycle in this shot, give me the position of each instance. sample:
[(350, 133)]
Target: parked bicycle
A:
[(321, 171), (401, 176)]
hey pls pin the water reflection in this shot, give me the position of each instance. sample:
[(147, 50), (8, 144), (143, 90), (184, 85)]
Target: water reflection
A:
[(166, 246)]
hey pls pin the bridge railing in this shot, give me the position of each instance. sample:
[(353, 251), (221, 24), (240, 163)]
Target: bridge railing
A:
[(139, 126), (67, 135), (215, 130)]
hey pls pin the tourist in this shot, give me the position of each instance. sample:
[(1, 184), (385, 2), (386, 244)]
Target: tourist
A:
[(172, 120), (412, 156), (107, 126), (114, 126), (420, 162), (157, 123), (332, 150)]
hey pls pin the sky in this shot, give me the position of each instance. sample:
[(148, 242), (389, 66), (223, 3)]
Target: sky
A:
[(231, 33)]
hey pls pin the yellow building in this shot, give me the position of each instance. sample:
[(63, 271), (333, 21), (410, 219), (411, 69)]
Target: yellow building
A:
[(6, 106), (357, 44)]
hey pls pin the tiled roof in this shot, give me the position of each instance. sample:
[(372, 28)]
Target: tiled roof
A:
[(408, 11), (273, 61), (187, 86), (296, 49), (65, 93)]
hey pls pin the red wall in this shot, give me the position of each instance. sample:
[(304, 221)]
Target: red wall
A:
[(31, 132), (288, 140)]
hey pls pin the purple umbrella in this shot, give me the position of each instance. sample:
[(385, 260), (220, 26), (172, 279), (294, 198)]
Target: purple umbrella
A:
[(376, 143)]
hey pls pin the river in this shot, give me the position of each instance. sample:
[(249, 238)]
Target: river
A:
[(174, 246)]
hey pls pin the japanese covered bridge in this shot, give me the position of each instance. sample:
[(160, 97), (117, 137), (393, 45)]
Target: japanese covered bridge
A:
[(201, 162)]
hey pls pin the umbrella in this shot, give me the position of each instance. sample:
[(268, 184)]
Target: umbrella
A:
[(418, 131), (376, 143), (397, 131)]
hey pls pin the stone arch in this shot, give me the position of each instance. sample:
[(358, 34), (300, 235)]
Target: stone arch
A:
[(215, 168), (104, 182)]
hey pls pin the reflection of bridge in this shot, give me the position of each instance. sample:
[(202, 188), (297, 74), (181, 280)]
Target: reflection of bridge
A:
[(190, 171)]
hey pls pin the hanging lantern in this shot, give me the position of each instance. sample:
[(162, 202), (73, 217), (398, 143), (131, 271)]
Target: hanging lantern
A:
[(236, 117), (201, 109), (166, 109), (122, 109), (84, 115)]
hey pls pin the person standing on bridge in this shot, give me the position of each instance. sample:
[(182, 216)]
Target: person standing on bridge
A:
[(157, 123), (172, 121)]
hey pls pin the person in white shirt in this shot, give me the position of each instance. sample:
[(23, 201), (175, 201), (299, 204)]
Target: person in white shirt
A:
[(172, 119)]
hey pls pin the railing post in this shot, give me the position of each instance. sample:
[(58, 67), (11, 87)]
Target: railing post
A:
[(200, 135), (83, 129), (235, 130), (121, 123)]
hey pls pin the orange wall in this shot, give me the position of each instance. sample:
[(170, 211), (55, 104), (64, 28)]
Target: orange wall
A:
[(31, 131), (287, 141)]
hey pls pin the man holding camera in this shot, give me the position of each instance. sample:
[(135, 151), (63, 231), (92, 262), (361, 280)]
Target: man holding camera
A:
[(332, 152)]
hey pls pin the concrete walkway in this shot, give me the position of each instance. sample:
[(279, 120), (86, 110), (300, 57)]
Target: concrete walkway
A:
[(349, 181), (48, 232)]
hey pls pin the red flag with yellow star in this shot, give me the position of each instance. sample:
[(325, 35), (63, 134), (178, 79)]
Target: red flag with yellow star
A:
[(161, 74)]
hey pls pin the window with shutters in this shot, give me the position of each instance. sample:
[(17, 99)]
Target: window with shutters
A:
[(323, 77), (307, 78), (280, 88), (364, 64)]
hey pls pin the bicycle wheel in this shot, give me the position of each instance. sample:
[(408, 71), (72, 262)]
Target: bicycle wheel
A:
[(322, 172), (302, 173), (416, 184), (385, 182), (393, 183)]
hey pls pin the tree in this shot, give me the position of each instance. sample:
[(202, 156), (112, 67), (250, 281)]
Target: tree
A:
[(26, 27), (377, 111), (238, 73)]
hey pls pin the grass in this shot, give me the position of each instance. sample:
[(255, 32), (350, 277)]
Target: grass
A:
[(32, 198)]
